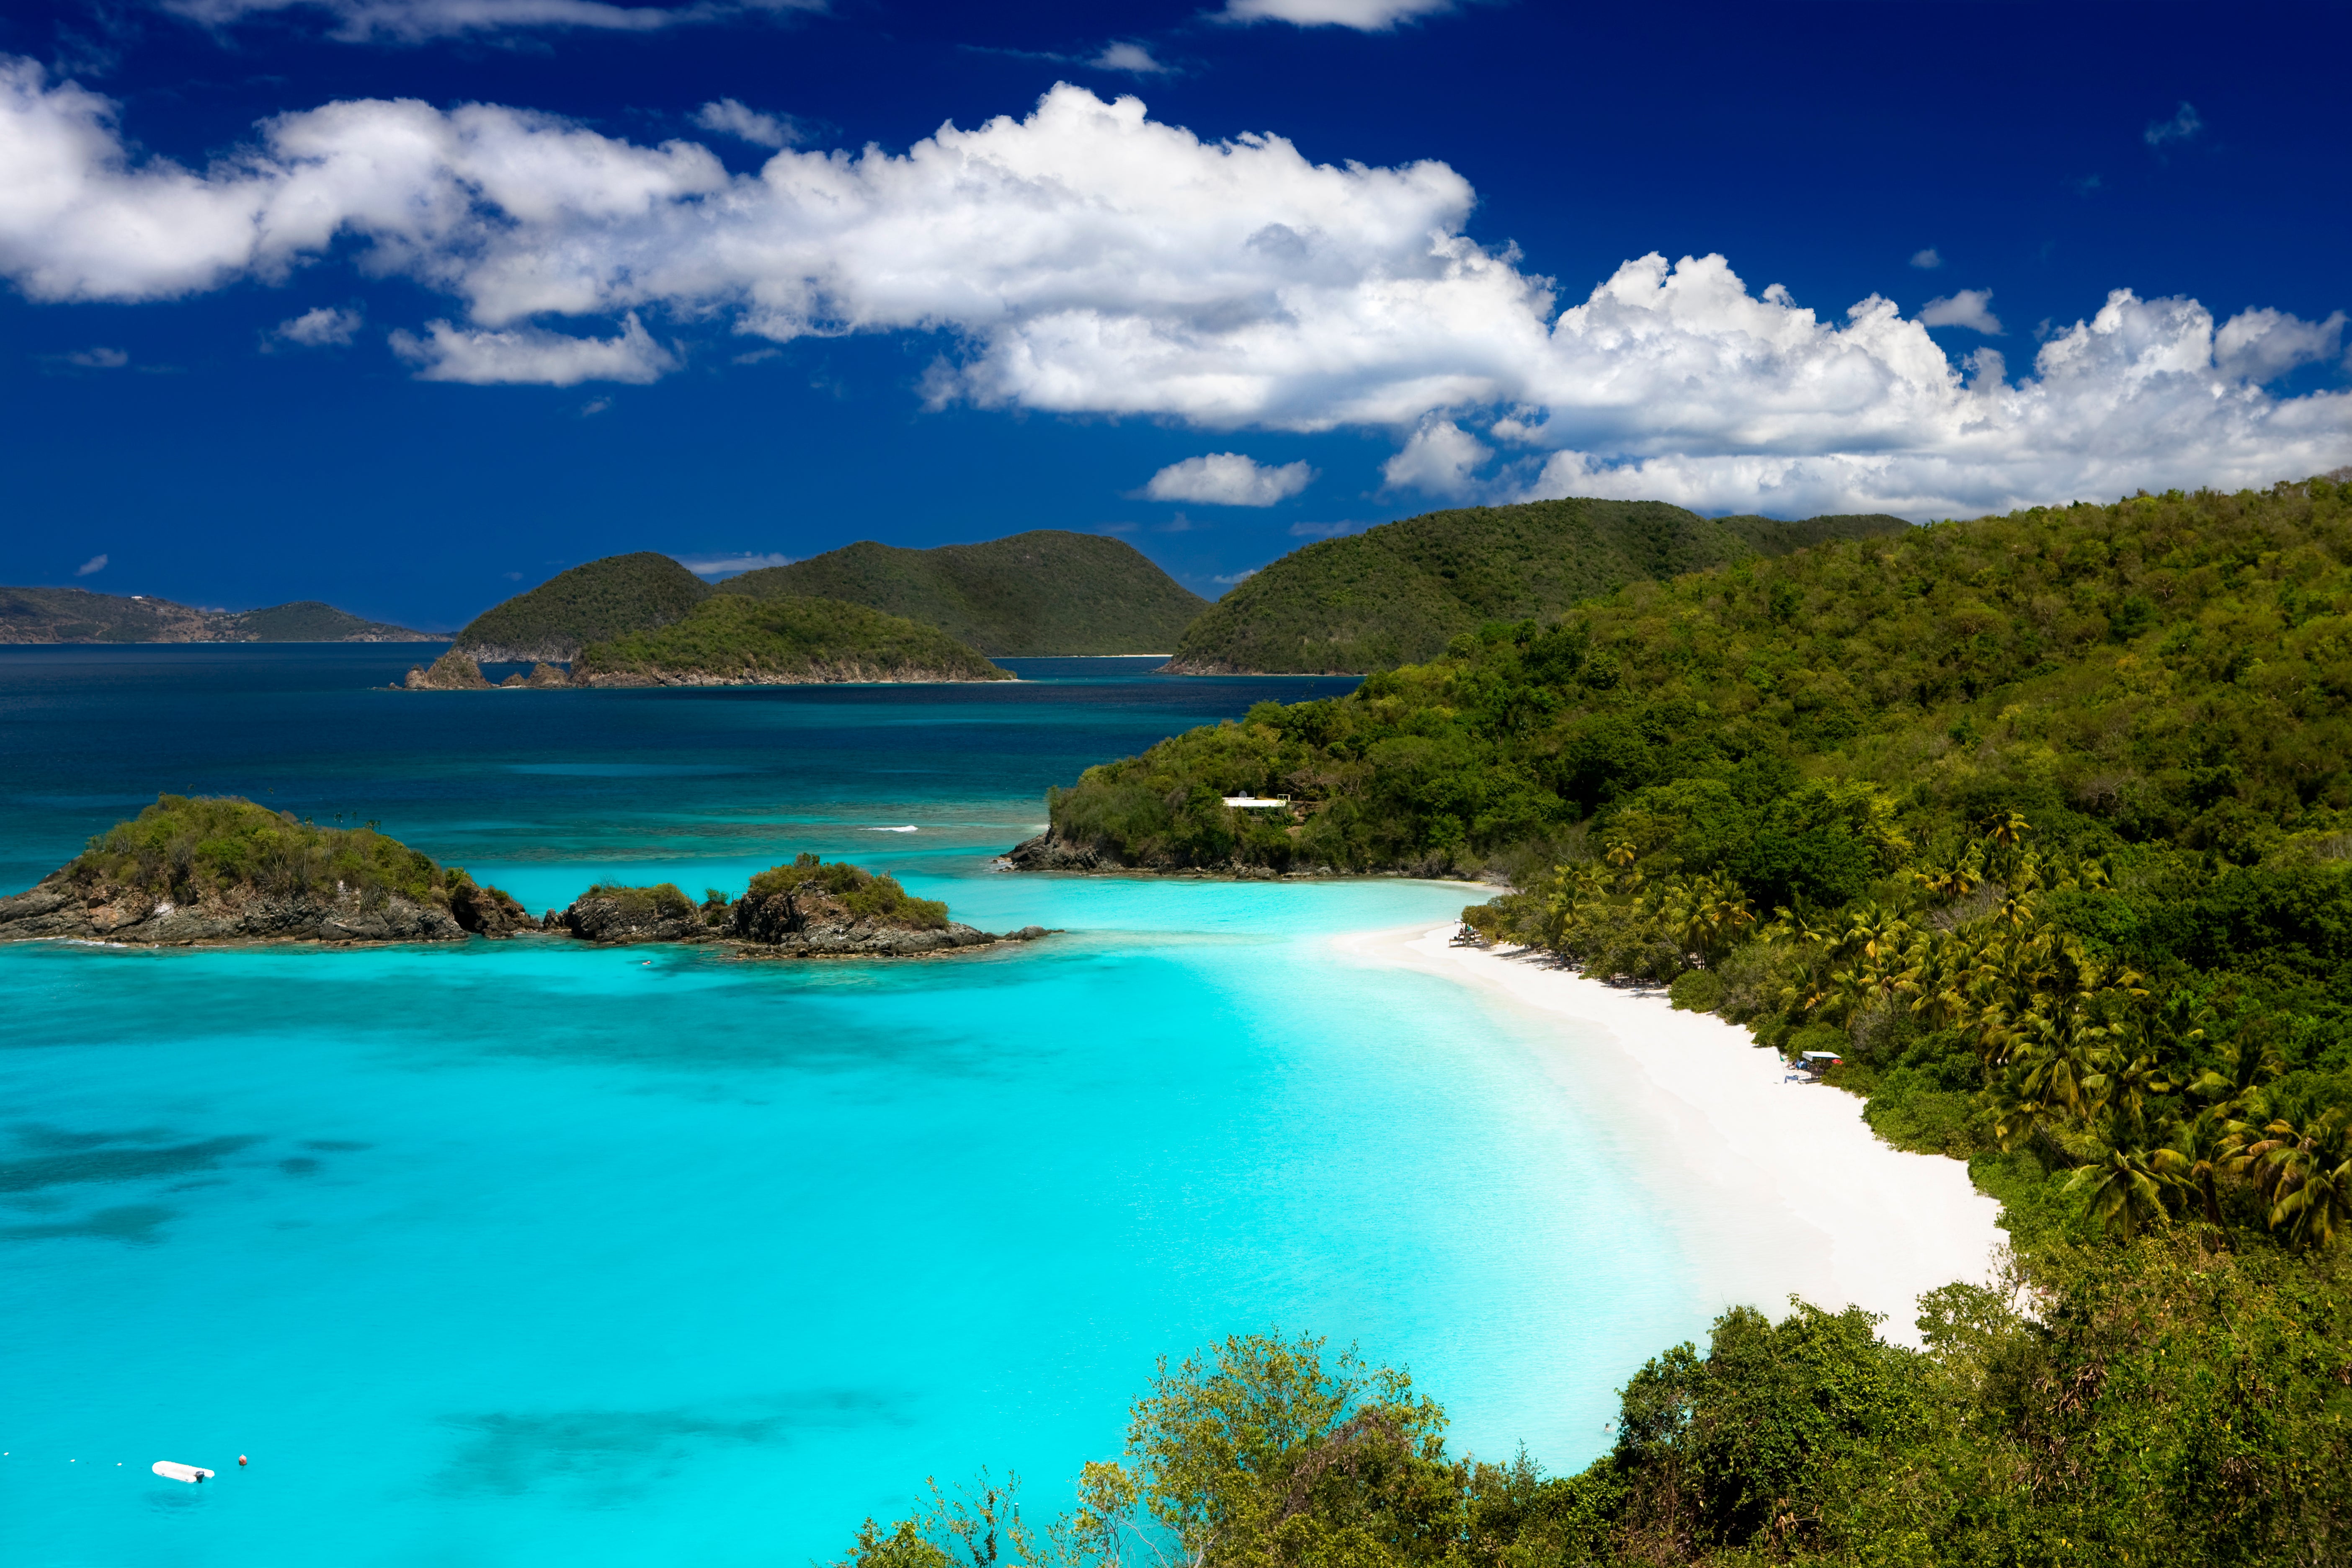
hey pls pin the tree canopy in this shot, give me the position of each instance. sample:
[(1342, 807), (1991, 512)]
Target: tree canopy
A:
[(1396, 594)]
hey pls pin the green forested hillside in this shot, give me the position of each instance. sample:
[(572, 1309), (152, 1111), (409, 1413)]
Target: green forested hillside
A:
[(1042, 593), (1396, 594), (603, 599), (2045, 820), (2042, 824), (735, 639)]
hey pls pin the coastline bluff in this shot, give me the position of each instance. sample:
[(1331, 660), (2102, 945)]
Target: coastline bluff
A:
[(809, 909), (209, 869)]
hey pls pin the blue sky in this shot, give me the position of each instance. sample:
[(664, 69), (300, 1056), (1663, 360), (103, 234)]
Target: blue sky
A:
[(406, 304)]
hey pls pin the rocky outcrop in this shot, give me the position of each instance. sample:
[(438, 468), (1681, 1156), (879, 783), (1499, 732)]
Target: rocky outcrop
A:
[(457, 671), (807, 922), (486, 911), (1051, 851), (64, 905), (616, 916), (453, 671), (790, 912)]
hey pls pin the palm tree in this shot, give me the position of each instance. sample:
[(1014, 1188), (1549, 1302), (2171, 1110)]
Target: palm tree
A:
[(2123, 1093), (2126, 1193), (2306, 1174), (2195, 1150), (2064, 1051), (2008, 831)]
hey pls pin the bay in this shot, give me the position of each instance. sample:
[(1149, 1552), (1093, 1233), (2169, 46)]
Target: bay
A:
[(524, 1254)]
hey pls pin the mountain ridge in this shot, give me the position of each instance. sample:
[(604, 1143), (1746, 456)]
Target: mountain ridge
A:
[(1042, 593), (1399, 593)]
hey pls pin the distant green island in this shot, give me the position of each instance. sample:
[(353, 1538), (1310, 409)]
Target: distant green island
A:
[(2038, 825), (733, 639), (1041, 593), (1397, 594), (1032, 595), (597, 602), (79, 615)]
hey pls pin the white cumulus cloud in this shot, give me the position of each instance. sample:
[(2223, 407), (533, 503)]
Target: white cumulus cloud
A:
[(1440, 457), (1971, 308), (322, 327), (95, 564), (1364, 15), (532, 356), (1927, 260), (2260, 346), (1229, 479), (730, 117), (1088, 260)]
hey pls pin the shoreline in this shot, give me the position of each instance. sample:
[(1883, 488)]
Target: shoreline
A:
[(1774, 1187)]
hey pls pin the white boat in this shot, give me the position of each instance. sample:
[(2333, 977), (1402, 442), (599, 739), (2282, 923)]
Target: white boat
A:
[(170, 1470)]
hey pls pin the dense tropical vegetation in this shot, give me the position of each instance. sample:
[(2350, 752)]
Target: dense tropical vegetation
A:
[(2151, 1403), (1396, 594), (1045, 592), (2043, 823), (188, 849), (733, 638)]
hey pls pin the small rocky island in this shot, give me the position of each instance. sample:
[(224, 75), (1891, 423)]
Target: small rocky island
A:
[(189, 871), (224, 869), (809, 909)]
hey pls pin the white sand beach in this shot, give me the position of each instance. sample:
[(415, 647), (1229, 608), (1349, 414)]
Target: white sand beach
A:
[(1774, 1187)]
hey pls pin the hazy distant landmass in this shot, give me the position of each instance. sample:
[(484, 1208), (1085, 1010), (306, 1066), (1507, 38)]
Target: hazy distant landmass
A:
[(1397, 594), (1039, 594), (79, 615)]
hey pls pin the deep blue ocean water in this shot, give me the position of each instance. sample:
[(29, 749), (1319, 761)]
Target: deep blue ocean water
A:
[(522, 1254)]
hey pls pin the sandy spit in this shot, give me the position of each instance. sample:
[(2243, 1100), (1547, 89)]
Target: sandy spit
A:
[(1773, 1187)]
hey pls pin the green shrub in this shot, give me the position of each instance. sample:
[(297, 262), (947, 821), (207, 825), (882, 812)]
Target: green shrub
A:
[(1696, 991), (663, 900), (186, 847)]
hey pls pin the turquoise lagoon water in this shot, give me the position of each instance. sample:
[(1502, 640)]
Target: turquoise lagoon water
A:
[(521, 1254)]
